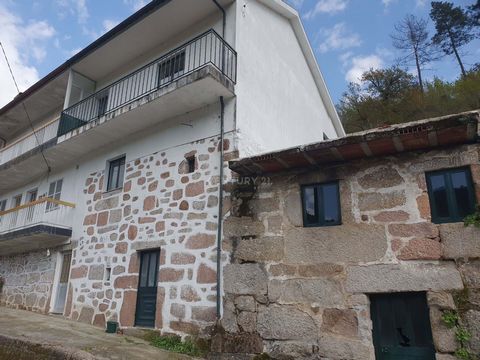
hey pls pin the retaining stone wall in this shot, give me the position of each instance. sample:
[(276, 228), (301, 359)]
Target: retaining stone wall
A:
[(28, 280)]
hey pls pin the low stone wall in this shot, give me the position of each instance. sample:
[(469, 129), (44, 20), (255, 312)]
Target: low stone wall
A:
[(295, 292), (28, 280)]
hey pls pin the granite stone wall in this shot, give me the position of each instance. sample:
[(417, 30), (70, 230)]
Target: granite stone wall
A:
[(294, 292), (161, 206), (28, 280)]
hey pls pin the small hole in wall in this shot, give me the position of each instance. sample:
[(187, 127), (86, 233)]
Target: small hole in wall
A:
[(191, 164), (108, 274)]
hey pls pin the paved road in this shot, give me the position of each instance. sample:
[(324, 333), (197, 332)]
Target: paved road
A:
[(85, 341)]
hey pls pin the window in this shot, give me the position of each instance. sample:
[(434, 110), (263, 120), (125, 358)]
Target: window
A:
[(3, 205), (116, 169), (170, 67), (321, 204), (191, 164), (102, 99), (451, 194), (54, 192)]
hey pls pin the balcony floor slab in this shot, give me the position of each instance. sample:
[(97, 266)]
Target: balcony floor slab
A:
[(40, 236)]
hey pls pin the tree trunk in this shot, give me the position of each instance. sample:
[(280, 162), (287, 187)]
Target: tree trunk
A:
[(464, 73), (419, 72)]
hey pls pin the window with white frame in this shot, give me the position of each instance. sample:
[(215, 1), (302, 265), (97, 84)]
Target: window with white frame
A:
[(54, 192)]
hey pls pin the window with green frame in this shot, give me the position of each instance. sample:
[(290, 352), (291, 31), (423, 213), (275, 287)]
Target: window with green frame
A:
[(321, 204), (451, 194)]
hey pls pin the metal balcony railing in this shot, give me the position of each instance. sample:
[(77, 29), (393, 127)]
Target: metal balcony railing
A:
[(29, 142), (44, 211), (207, 48)]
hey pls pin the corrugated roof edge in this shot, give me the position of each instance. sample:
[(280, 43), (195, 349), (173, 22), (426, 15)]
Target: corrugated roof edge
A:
[(390, 130)]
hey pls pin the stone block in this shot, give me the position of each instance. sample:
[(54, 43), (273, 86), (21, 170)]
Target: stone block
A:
[(381, 201), (267, 248), (127, 313), (440, 299), (107, 204), (242, 226), (471, 273), (290, 350), (245, 303), (204, 313), (206, 275), (341, 322), (245, 279), (337, 347), (319, 270), (272, 323), (200, 241), (443, 337), (321, 292), (403, 277), (86, 315), (418, 230), (237, 344), (472, 323), (293, 208), (345, 243), (460, 241), (381, 177), (421, 249), (96, 272), (247, 321)]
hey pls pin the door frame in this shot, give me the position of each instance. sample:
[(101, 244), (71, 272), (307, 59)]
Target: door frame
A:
[(56, 280), (140, 254)]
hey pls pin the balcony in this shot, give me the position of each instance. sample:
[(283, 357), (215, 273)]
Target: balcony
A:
[(29, 142), (40, 224), (188, 77)]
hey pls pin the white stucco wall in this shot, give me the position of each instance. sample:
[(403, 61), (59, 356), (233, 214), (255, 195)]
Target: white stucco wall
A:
[(278, 102)]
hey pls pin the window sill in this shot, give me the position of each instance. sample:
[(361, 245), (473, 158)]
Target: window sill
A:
[(112, 192)]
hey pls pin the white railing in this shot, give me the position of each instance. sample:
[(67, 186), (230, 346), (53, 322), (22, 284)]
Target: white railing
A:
[(29, 142), (44, 211)]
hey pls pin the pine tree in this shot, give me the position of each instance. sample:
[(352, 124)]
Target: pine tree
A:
[(453, 29), (411, 36)]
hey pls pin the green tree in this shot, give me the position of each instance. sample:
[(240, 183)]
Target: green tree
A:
[(382, 99), (474, 12), (453, 29), (411, 37)]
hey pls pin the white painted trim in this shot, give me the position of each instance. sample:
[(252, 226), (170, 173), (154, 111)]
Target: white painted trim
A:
[(290, 13), (56, 280)]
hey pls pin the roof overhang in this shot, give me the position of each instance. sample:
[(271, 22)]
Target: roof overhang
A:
[(141, 33), (417, 135)]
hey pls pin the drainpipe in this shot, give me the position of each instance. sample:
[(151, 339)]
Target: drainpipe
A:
[(224, 22), (220, 209)]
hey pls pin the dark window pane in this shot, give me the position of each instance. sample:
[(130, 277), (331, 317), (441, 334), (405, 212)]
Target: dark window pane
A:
[(144, 271), (330, 204), (310, 206), (460, 189), (439, 193), (152, 269)]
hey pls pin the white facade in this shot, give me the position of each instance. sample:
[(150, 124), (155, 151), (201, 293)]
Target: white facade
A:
[(279, 100)]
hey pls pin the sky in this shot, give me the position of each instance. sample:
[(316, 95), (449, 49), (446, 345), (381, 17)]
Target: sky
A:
[(347, 36)]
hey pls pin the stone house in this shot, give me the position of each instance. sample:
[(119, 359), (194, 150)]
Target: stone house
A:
[(111, 208), (355, 248)]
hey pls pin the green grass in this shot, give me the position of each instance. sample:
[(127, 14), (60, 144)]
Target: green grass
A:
[(173, 343)]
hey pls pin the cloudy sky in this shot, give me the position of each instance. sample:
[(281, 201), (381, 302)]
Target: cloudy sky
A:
[(348, 36)]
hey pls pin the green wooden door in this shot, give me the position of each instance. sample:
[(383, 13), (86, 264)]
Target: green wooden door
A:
[(147, 289), (401, 327)]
